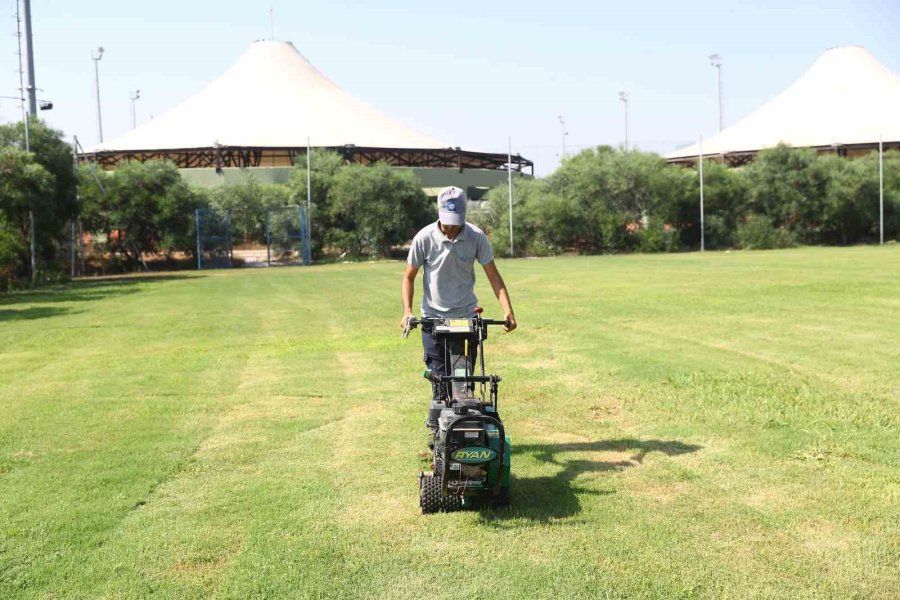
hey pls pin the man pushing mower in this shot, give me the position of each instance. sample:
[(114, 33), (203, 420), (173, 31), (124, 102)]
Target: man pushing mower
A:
[(471, 452), (448, 249)]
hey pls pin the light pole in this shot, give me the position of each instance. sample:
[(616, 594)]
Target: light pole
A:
[(509, 183), (96, 56), (134, 98), (562, 123), (623, 96), (29, 60), (716, 61)]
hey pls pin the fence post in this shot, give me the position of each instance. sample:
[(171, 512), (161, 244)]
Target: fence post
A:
[(268, 239), (81, 245), (197, 225), (305, 247), (72, 252), (228, 240)]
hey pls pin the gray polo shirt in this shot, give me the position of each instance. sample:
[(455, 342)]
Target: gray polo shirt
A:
[(449, 269)]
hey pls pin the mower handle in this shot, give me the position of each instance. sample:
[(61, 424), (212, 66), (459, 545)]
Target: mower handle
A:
[(413, 322)]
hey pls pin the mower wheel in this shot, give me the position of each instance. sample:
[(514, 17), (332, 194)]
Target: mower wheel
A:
[(430, 498)]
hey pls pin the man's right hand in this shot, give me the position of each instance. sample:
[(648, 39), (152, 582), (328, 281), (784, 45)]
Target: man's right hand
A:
[(405, 326)]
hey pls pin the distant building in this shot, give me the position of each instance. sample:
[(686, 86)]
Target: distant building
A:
[(843, 104), (258, 115)]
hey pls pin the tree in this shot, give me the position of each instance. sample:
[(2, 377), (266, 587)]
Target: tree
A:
[(325, 166), (25, 187), (619, 191), (373, 208), (786, 186), (248, 202), (146, 208), (54, 206)]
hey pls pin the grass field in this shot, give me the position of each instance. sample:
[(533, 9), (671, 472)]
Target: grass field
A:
[(723, 425)]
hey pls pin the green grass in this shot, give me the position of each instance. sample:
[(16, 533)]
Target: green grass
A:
[(723, 425)]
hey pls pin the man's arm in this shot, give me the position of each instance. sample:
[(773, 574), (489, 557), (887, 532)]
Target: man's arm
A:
[(497, 283), (407, 291)]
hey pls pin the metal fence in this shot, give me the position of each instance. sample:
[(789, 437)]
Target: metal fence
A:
[(287, 236), (214, 243)]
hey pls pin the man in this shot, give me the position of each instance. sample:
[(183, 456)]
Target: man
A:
[(448, 249)]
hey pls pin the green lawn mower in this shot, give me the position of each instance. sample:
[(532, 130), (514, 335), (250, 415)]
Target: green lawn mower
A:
[(470, 449)]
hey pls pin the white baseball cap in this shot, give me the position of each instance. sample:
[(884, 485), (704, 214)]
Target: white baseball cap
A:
[(451, 203)]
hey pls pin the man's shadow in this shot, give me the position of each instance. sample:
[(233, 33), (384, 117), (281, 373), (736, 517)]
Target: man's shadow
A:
[(557, 496)]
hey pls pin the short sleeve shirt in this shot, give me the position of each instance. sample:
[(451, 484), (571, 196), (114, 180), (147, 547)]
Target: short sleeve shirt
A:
[(449, 278)]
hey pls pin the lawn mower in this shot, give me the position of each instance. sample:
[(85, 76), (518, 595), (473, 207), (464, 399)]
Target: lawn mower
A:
[(469, 447)]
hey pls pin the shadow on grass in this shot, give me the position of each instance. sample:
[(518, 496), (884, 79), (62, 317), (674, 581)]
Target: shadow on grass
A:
[(84, 290), (557, 496), (28, 314)]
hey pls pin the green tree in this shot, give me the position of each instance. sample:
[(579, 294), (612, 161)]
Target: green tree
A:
[(248, 202), (615, 190), (146, 208), (53, 210), (374, 208), (726, 200), (786, 186), (325, 166), (25, 187)]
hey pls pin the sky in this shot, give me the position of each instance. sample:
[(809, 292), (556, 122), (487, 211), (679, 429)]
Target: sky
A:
[(473, 74)]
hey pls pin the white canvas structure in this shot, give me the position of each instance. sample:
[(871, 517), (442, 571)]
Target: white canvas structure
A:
[(262, 110), (843, 103)]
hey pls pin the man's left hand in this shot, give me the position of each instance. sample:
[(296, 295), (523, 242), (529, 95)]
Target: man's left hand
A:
[(510, 322)]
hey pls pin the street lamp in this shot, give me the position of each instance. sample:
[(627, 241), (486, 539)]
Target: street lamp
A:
[(562, 122), (96, 56), (716, 61), (623, 96), (134, 98)]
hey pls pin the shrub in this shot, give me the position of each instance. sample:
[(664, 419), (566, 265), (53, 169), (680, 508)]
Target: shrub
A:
[(373, 208), (718, 234), (658, 238), (758, 233)]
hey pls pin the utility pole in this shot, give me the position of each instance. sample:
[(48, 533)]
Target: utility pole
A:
[(25, 7), (562, 123), (716, 61), (623, 96), (96, 56), (880, 189), (509, 183), (31, 89), (135, 96), (702, 223)]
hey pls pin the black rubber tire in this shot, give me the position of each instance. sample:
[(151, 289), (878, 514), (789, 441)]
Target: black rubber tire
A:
[(430, 498)]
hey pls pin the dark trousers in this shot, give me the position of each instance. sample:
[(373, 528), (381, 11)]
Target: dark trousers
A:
[(435, 358)]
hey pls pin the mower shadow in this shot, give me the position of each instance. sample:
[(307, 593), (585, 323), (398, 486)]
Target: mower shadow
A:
[(557, 496)]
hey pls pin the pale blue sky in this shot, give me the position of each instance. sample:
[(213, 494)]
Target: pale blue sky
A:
[(470, 73)]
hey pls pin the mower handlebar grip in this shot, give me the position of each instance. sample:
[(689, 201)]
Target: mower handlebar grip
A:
[(494, 322)]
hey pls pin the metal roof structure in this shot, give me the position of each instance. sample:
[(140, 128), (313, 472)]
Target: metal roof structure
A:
[(263, 109), (844, 103)]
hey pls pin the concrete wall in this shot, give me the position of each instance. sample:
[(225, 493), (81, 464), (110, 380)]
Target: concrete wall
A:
[(475, 181)]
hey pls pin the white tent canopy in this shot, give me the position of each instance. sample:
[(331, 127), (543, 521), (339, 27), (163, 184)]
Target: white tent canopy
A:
[(272, 97), (261, 112), (846, 99)]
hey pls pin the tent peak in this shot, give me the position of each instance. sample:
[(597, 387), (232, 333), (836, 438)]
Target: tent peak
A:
[(847, 47)]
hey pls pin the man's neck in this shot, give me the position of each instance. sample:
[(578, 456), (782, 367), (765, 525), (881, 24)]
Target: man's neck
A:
[(450, 235)]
